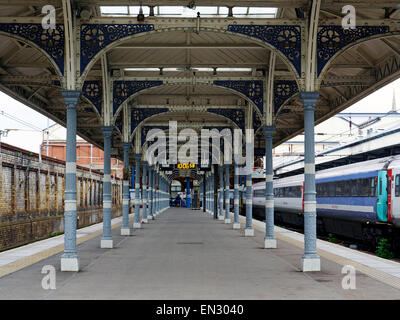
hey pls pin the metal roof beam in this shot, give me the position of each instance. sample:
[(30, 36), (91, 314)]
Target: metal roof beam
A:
[(190, 46)]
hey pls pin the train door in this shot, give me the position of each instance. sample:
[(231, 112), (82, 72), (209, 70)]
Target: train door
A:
[(395, 203), (390, 195), (381, 205), (302, 196)]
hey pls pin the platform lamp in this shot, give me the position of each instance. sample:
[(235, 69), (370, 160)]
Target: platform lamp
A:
[(85, 13), (140, 16)]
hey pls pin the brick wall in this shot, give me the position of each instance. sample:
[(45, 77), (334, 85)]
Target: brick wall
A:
[(32, 196)]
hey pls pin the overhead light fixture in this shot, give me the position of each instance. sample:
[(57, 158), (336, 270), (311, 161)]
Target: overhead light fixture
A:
[(140, 16), (191, 5), (85, 13)]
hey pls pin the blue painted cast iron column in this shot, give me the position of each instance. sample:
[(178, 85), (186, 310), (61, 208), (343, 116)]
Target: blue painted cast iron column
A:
[(106, 240), (227, 201), (150, 193), (137, 223), (210, 193), (203, 194), (70, 258), (210, 209), (161, 193), (310, 260), (206, 192), (220, 193), (144, 187), (249, 231), (157, 194), (211, 188), (188, 196), (269, 240), (240, 191), (236, 223), (153, 207), (125, 230)]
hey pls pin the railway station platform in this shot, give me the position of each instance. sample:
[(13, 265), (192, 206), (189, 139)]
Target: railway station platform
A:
[(185, 254)]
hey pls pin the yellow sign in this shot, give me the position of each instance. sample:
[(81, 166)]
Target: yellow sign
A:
[(186, 166)]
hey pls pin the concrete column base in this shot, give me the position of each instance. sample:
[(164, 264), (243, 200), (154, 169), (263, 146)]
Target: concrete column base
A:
[(270, 244), (125, 232), (106, 244), (311, 264), (145, 220), (227, 221), (220, 217), (249, 232), (70, 264), (236, 226), (137, 225)]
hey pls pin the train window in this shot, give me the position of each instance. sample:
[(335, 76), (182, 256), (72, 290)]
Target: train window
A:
[(299, 190), (380, 186), (260, 193), (339, 189), (320, 190), (397, 186), (373, 188), (355, 188)]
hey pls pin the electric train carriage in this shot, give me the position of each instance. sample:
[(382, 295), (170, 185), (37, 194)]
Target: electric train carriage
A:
[(360, 201)]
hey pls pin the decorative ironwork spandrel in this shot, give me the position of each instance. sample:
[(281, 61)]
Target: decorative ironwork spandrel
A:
[(50, 40), (146, 129), (252, 89), (93, 91), (331, 39), (236, 115), (286, 39), (283, 90), (122, 90), (95, 37), (140, 114)]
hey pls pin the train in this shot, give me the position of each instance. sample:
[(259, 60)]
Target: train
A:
[(359, 201)]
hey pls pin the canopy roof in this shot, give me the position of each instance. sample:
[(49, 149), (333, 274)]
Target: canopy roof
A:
[(189, 55)]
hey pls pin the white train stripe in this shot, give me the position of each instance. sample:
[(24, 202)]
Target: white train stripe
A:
[(342, 207)]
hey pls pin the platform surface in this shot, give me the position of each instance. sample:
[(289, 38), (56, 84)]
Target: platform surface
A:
[(185, 254)]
